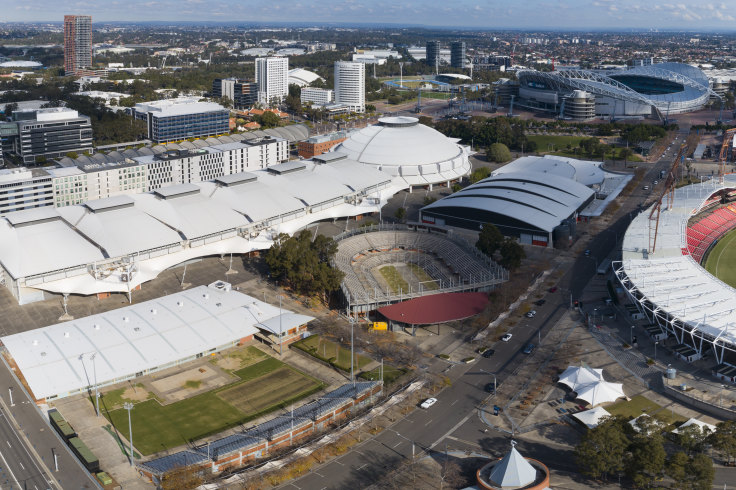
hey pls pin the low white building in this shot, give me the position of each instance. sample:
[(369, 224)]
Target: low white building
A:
[(58, 361), (317, 96)]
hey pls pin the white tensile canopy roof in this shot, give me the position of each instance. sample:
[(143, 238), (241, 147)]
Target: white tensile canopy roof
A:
[(513, 470), (576, 377), (591, 418), (697, 422), (600, 392)]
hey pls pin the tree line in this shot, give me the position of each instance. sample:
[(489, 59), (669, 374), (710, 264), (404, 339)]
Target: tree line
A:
[(615, 448)]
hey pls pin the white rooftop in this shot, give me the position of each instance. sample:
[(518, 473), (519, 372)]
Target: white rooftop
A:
[(583, 171), (591, 418), (57, 360), (673, 282), (177, 107)]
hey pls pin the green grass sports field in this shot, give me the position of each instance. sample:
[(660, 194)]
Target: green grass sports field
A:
[(721, 261)]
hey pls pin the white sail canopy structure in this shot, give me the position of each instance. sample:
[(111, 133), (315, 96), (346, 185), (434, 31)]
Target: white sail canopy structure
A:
[(576, 377)]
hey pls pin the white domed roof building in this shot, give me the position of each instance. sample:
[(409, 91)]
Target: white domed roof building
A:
[(412, 153)]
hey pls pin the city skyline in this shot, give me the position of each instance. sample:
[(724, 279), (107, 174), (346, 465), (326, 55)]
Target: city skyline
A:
[(491, 14)]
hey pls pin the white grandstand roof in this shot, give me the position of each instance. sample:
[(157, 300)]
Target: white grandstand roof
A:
[(302, 77), (675, 283), (583, 171), (138, 338), (541, 200)]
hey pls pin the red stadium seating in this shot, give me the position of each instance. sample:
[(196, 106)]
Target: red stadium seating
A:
[(703, 233)]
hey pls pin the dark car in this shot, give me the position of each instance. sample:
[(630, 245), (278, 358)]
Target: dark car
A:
[(540, 302), (528, 349), (491, 388), (553, 289), (488, 353)]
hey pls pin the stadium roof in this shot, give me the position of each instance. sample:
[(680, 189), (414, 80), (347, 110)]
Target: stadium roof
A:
[(583, 171), (694, 93), (404, 148), (436, 308), (674, 283), (57, 360), (541, 200), (37, 242), (302, 77)]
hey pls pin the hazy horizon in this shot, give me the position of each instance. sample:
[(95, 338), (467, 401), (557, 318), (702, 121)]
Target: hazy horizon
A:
[(609, 15)]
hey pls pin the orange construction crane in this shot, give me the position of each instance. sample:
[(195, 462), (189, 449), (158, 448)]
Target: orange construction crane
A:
[(669, 190), (728, 136)]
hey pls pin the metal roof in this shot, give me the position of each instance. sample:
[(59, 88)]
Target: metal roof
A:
[(674, 283), (57, 360), (541, 200)]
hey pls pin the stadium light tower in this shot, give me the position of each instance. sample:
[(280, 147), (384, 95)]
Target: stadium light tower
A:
[(129, 406)]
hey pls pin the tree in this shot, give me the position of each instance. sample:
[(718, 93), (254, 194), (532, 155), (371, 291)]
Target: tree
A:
[(701, 472), (479, 174), (677, 468), (10, 108), (183, 477), (646, 458), (724, 439), (601, 450), (692, 438), (426, 120), (511, 254), (499, 153), (303, 264), (490, 239), (625, 154), (400, 214), (268, 119)]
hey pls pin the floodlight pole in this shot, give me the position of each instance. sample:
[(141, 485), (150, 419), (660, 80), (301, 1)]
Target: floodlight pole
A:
[(655, 350), (129, 406), (281, 332), (10, 394), (97, 393), (352, 355)]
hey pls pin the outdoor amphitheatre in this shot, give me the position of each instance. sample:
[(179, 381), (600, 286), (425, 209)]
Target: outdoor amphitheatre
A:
[(385, 265)]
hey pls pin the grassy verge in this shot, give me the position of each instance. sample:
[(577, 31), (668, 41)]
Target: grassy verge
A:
[(547, 142), (634, 407), (390, 374), (259, 391), (328, 351), (394, 279)]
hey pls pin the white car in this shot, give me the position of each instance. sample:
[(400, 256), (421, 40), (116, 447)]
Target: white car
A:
[(531, 314), (428, 403), (506, 337)]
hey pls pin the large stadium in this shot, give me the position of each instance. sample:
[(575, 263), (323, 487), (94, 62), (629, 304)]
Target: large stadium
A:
[(688, 308), (658, 90)]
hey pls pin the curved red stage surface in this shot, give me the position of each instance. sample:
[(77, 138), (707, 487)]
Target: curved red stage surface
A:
[(436, 308)]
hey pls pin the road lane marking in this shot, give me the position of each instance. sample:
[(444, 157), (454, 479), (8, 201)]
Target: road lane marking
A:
[(451, 404), (425, 425), (397, 444), (21, 465), (5, 461), (362, 466)]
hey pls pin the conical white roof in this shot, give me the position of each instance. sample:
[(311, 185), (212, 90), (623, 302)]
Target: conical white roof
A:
[(513, 470), (600, 392), (577, 376)]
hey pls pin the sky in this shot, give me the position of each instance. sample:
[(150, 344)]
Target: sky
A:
[(488, 14)]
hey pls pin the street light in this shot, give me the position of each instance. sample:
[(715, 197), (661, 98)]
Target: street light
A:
[(129, 406), (632, 335), (720, 396), (494, 379), (97, 393), (655, 350)]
